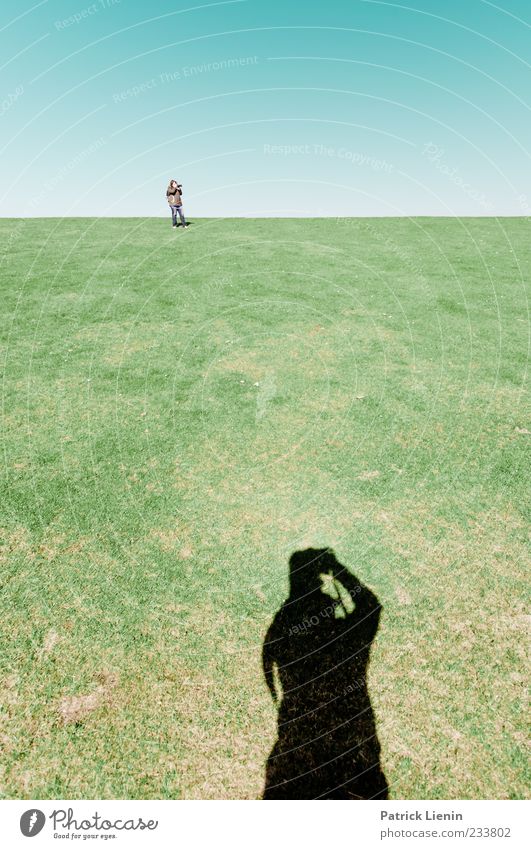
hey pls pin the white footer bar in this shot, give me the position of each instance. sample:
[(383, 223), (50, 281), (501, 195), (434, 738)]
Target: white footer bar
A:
[(263, 825)]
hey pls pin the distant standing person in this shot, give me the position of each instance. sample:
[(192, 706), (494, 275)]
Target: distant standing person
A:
[(174, 197)]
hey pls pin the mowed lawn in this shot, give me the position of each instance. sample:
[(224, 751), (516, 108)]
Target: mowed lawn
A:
[(182, 410)]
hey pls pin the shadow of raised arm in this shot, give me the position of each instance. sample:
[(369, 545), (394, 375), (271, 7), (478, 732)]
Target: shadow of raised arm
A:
[(367, 606)]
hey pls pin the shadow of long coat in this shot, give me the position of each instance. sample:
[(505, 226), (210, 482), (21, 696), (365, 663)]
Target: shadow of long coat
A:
[(315, 658)]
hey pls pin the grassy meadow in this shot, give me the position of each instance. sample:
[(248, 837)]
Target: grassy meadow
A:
[(182, 410)]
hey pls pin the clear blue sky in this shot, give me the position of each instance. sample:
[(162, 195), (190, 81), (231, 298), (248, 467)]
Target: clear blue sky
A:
[(343, 107)]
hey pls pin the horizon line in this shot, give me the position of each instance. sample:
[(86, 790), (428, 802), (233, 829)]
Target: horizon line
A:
[(251, 217)]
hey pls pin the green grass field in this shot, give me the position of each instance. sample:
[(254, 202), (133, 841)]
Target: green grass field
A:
[(181, 410)]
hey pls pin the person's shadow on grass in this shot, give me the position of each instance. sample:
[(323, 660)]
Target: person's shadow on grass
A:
[(315, 658)]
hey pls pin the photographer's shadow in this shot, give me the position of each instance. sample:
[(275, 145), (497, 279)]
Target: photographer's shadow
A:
[(315, 658)]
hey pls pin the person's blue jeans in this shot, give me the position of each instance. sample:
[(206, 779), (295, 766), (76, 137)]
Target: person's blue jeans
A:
[(177, 210)]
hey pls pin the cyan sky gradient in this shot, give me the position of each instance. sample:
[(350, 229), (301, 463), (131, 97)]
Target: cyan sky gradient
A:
[(344, 107)]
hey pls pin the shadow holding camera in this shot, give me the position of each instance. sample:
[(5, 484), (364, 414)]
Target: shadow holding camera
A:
[(315, 658)]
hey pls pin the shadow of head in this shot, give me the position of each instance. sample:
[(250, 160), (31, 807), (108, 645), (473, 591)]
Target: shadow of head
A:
[(315, 658), (313, 570), (306, 568)]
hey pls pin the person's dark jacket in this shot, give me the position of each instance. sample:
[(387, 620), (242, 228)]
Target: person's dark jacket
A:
[(173, 194)]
